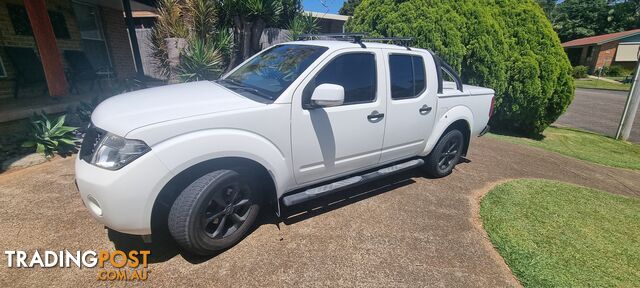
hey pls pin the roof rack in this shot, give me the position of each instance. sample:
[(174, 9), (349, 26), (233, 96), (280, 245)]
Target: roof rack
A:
[(401, 41), (355, 37), (358, 38)]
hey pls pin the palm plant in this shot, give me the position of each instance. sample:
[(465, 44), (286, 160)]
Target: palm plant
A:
[(248, 19)]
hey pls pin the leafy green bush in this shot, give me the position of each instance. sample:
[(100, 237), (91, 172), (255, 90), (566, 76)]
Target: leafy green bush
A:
[(617, 71), (84, 110), (580, 72), (49, 137), (507, 45)]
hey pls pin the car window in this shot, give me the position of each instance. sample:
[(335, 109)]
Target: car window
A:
[(408, 79), (270, 73), (355, 72)]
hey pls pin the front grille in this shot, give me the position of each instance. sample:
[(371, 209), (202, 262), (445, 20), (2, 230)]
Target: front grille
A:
[(91, 139)]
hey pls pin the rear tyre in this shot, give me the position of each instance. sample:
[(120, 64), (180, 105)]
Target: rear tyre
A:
[(445, 155), (213, 213)]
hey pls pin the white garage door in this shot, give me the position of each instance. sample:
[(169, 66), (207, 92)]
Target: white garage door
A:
[(627, 52)]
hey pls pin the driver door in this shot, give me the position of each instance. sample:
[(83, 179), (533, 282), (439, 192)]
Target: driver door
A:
[(334, 141)]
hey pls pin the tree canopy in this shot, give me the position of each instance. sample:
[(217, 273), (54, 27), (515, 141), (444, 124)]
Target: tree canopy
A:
[(574, 19), (507, 45), (577, 18), (349, 7)]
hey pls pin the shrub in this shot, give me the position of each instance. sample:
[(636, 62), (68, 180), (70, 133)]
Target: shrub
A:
[(49, 137), (617, 71), (580, 72), (507, 45), (84, 110)]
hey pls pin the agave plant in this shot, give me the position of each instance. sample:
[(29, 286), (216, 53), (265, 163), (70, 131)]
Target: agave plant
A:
[(50, 136), (302, 23), (200, 61), (209, 46)]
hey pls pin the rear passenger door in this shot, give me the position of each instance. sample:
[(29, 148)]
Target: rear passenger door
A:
[(411, 107)]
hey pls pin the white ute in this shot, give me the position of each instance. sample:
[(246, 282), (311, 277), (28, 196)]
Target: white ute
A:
[(295, 122)]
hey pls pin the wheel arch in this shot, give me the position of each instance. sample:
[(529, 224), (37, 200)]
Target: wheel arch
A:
[(168, 194), (462, 126), (459, 117)]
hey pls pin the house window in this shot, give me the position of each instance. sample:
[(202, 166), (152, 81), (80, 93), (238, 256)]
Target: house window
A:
[(589, 51), (19, 20), (3, 72), (22, 26), (91, 34), (59, 24)]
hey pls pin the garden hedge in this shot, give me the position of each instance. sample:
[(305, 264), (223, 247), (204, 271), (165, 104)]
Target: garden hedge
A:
[(507, 45)]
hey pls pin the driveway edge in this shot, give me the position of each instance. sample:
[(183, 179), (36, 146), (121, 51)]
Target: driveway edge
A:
[(476, 221)]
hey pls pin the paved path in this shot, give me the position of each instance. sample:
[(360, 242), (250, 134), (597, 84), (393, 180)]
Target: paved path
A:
[(598, 111), (406, 231)]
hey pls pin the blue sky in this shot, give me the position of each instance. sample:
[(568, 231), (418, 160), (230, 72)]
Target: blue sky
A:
[(325, 6)]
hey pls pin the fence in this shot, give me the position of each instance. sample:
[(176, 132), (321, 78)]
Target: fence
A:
[(148, 63), (273, 36)]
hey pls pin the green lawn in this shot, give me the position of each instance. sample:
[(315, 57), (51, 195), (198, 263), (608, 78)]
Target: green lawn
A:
[(553, 234), (599, 84), (584, 145)]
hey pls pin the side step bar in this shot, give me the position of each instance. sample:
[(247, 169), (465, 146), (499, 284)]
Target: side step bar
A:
[(327, 189)]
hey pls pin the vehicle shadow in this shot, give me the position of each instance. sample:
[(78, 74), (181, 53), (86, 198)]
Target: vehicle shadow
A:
[(164, 248), (304, 211)]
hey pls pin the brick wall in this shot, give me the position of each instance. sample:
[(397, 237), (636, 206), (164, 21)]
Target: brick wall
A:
[(607, 54), (8, 37), (118, 42), (112, 23)]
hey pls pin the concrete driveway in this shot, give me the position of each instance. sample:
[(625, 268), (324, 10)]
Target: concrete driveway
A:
[(404, 231), (598, 111)]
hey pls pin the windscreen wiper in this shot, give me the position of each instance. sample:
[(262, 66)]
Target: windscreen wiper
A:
[(237, 85)]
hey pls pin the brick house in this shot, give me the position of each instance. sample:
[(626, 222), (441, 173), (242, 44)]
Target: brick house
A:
[(605, 50), (96, 27)]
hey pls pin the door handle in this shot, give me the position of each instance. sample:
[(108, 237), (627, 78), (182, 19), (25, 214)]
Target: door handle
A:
[(375, 115), (425, 109)]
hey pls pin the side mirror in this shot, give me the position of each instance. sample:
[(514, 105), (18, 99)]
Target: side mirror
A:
[(328, 95)]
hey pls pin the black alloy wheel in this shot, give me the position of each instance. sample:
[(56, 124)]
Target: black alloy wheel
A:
[(227, 211), (445, 155), (214, 212)]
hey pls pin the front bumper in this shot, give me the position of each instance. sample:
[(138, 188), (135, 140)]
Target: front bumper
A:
[(123, 199)]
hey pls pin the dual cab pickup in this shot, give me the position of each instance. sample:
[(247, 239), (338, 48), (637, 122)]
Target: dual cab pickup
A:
[(297, 121)]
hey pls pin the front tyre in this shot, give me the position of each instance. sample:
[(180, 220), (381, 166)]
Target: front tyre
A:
[(214, 212), (445, 155)]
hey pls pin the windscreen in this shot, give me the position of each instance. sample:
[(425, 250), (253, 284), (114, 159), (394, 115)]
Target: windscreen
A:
[(270, 73)]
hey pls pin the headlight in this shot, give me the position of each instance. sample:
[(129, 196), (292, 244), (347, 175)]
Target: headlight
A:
[(114, 152)]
